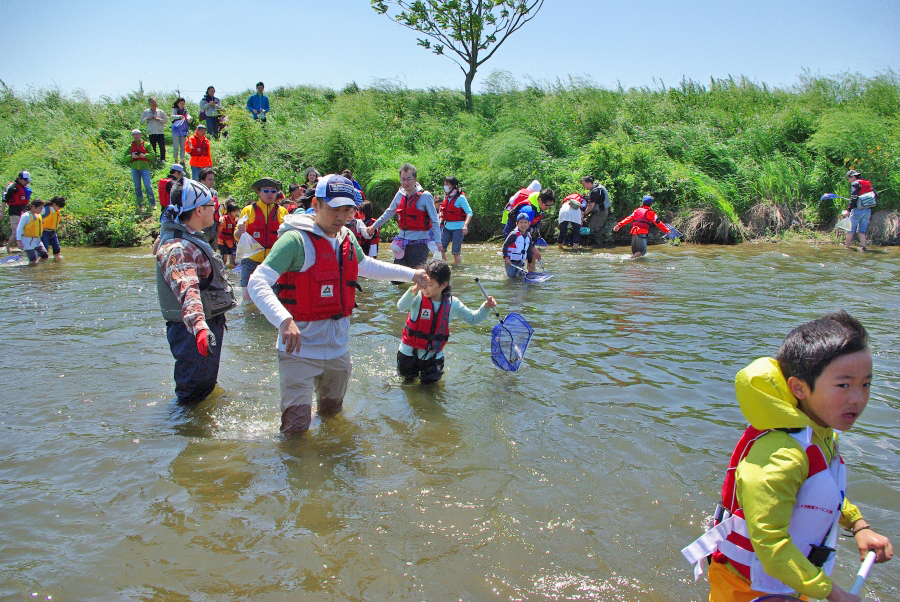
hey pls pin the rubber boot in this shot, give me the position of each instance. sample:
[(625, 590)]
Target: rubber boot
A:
[(296, 420), (329, 407)]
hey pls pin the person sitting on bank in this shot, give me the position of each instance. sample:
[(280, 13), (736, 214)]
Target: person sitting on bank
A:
[(518, 248), (314, 266), (642, 219), (192, 290), (417, 221), (29, 232), (261, 221)]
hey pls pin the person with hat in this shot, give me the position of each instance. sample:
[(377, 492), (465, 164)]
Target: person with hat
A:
[(859, 215), (314, 266), (641, 220), (518, 248), (261, 221), (197, 146), (141, 158), (417, 220), (17, 196), (193, 291), (164, 186)]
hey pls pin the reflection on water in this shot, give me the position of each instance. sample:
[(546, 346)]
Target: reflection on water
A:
[(579, 477)]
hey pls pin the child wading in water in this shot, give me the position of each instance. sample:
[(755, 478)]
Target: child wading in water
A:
[(428, 325), (784, 494)]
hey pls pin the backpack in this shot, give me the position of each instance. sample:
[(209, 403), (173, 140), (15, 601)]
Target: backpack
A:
[(8, 191), (867, 200)]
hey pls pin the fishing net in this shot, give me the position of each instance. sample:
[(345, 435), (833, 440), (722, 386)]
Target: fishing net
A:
[(509, 340), (538, 277)]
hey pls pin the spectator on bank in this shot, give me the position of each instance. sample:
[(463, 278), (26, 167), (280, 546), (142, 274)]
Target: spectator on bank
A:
[(141, 159), (258, 104), (156, 119), (197, 146), (180, 120), (209, 108), (17, 196)]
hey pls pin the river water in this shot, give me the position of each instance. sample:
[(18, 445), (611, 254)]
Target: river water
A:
[(579, 477)]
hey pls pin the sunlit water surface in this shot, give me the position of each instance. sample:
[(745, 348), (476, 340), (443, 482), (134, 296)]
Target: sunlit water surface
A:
[(579, 477)]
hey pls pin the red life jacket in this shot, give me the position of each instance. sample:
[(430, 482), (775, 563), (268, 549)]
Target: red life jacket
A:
[(138, 148), (16, 197), (864, 186), (199, 146), (410, 217), (429, 331), (450, 212), (327, 290), (644, 219), (520, 196), (164, 198), (226, 230), (264, 232)]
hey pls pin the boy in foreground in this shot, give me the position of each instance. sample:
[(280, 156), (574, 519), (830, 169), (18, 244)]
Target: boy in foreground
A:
[(314, 266), (784, 494)]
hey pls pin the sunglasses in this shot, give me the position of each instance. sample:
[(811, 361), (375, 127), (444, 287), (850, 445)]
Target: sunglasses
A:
[(269, 190)]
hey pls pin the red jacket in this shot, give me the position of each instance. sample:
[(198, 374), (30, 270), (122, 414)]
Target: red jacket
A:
[(644, 218)]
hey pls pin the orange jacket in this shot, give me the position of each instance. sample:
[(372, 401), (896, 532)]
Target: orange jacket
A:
[(643, 218), (198, 149)]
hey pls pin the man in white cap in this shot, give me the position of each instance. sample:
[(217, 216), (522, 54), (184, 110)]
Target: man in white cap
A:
[(17, 196), (314, 266), (193, 291)]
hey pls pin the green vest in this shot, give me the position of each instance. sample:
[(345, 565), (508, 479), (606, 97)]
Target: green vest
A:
[(216, 292)]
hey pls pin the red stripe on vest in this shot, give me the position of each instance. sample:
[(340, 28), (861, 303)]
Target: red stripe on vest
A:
[(817, 461), (429, 333)]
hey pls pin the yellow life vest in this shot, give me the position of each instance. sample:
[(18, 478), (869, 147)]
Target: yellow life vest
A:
[(51, 220), (34, 228)]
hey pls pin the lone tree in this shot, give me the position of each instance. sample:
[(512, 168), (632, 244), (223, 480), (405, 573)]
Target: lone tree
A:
[(465, 27)]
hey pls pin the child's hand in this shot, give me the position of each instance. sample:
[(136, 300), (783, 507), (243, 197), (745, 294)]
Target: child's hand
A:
[(867, 539), (616, 228), (490, 303), (414, 288), (506, 259)]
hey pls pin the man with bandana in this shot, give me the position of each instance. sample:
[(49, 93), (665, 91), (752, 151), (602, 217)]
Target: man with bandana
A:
[(193, 292)]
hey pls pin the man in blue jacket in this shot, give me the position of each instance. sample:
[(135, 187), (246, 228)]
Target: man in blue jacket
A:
[(258, 104)]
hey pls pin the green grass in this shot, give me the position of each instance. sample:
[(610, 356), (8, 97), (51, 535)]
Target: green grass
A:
[(726, 145)]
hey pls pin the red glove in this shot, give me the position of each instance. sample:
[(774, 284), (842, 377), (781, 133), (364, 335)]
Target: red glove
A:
[(206, 342)]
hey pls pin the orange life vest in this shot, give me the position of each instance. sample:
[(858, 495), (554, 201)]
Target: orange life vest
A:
[(226, 230)]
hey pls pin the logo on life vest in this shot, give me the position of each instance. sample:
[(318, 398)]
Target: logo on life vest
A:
[(426, 314), (327, 291)]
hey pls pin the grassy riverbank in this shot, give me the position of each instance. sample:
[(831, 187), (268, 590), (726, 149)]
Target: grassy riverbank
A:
[(727, 160)]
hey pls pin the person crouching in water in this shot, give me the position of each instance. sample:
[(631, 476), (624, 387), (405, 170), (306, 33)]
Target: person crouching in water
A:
[(314, 266), (193, 291), (29, 232), (784, 497), (641, 221), (517, 248), (431, 307)]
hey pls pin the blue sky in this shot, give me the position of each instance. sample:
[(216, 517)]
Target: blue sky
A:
[(107, 47)]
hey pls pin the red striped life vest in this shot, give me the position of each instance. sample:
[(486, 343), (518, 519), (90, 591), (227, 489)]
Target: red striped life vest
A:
[(428, 331)]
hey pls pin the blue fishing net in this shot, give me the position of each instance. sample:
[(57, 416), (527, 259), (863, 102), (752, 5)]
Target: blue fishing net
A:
[(509, 340), (538, 277)]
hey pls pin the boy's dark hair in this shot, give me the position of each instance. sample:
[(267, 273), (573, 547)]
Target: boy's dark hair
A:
[(205, 172), (58, 201), (37, 203), (292, 188), (588, 179), (260, 84), (231, 205), (347, 174), (439, 271), (547, 194), (808, 349), (366, 209)]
